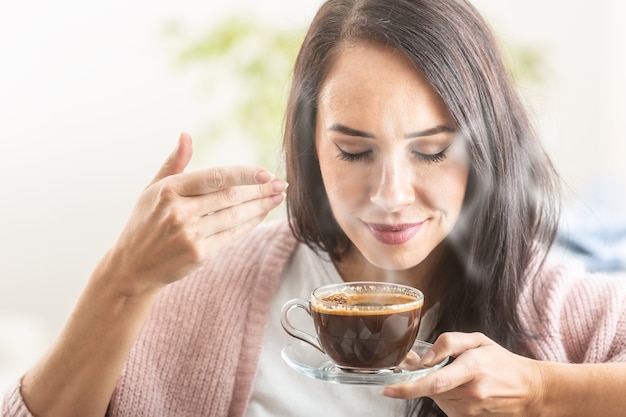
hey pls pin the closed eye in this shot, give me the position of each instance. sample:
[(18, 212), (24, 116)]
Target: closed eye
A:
[(352, 157), (432, 158)]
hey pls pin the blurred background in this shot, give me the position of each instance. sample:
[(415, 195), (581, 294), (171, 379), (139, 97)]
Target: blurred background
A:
[(93, 97)]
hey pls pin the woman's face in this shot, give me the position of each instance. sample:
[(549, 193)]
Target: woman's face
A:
[(393, 167)]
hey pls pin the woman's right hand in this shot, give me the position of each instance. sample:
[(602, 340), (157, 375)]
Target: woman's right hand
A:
[(182, 219)]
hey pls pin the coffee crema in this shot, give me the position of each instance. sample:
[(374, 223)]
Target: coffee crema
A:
[(366, 303)]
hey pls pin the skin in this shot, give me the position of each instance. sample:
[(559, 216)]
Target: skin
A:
[(392, 166), (488, 380), (182, 219), (168, 235), (371, 105)]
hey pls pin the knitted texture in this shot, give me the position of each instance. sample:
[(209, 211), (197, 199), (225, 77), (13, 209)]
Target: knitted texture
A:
[(13, 404), (575, 316), (198, 351)]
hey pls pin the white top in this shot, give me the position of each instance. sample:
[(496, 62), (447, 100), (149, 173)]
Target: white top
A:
[(281, 391)]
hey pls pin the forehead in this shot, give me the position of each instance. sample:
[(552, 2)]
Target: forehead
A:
[(371, 78)]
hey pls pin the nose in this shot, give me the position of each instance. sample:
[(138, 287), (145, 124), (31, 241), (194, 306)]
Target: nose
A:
[(393, 187)]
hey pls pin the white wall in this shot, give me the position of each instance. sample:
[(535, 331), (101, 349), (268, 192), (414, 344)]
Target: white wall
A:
[(90, 104), (581, 109)]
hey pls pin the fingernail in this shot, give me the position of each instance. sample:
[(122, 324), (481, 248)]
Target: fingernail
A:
[(390, 392), (278, 185), (278, 198), (428, 358), (263, 176)]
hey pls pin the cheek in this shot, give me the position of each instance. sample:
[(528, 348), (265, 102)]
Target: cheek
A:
[(442, 188), (452, 191), (344, 186)]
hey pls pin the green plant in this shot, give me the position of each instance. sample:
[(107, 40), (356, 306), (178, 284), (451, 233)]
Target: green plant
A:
[(247, 67)]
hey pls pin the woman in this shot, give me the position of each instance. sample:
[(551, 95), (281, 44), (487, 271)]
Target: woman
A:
[(410, 159)]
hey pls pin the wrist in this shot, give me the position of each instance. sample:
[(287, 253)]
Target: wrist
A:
[(539, 389), (113, 276), (569, 389)]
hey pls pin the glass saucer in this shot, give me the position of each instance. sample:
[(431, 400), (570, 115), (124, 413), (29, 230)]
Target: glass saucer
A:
[(311, 362)]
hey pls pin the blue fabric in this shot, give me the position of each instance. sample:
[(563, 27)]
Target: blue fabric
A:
[(594, 231)]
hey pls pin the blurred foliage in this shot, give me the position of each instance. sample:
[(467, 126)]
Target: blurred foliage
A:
[(527, 63), (248, 68)]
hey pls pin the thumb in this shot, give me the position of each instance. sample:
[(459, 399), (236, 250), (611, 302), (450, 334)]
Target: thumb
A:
[(177, 161)]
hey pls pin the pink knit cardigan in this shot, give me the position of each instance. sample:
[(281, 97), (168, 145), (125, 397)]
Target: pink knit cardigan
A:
[(198, 351)]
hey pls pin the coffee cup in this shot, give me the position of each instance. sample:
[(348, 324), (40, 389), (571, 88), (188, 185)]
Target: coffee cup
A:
[(360, 326)]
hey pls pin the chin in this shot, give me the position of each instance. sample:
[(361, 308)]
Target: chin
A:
[(394, 261)]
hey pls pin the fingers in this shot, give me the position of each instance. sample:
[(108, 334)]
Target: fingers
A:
[(225, 226), (412, 361), (204, 181), (450, 377), (215, 179), (222, 238), (441, 381), (241, 203), (224, 207), (217, 201), (177, 161), (452, 344), (182, 219), (227, 208)]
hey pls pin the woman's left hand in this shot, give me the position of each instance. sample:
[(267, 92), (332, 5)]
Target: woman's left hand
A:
[(485, 379)]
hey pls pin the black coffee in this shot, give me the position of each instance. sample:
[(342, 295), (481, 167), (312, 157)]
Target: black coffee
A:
[(355, 335)]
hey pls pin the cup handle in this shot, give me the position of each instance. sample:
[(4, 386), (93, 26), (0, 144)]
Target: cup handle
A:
[(289, 328)]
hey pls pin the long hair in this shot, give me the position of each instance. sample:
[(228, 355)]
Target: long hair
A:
[(510, 211)]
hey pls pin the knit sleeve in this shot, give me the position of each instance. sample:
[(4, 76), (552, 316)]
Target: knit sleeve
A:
[(576, 317), (197, 352), (198, 349), (13, 404)]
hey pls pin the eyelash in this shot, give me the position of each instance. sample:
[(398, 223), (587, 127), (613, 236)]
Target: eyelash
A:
[(428, 158), (431, 158), (352, 157)]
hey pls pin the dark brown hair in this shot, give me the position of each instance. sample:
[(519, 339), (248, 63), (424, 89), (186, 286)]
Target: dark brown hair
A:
[(510, 210)]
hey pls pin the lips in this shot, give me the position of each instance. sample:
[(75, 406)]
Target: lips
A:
[(394, 234)]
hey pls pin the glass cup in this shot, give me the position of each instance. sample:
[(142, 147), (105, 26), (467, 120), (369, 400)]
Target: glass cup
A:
[(361, 326)]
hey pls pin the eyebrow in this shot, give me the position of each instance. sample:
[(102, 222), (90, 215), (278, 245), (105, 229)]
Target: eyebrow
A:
[(338, 127), (430, 132)]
